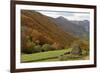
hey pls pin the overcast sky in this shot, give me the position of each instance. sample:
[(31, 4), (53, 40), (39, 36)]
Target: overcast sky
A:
[(69, 15)]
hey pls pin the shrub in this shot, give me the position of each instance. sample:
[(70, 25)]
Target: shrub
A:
[(47, 47), (76, 50), (84, 44), (37, 48), (29, 48)]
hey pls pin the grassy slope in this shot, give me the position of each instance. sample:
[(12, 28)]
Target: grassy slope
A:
[(42, 55), (52, 56)]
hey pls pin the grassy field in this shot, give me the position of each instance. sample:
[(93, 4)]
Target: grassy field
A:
[(49, 56)]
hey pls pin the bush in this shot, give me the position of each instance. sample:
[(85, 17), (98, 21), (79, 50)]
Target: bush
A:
[(84, 44), (37, 48), (76, 50), (29, 48), (47, 47), (33, 48)]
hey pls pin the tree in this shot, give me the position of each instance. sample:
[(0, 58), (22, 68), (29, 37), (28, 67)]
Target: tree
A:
[(29, 47)]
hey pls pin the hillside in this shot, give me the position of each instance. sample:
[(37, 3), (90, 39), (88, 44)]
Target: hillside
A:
[(76, 28), (39, 28), (84, 24)]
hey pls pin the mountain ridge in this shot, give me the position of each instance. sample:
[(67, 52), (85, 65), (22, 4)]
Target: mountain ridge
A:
[(47, 28), (71, 27)]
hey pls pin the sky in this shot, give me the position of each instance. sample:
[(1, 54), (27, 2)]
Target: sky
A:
[(79, 16)]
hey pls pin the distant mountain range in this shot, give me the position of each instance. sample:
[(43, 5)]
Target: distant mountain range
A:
[(59, 32), (84, 24), (76, 28)]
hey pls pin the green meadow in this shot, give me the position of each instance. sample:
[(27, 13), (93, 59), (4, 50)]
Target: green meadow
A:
[(57, 55)]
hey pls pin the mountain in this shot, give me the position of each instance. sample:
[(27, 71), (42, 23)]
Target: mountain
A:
[(84, 24), (40, 28), (77, 29)]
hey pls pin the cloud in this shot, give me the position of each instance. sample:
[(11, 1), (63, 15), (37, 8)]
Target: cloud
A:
[(78, 16), (68, 15), (51, 14)]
